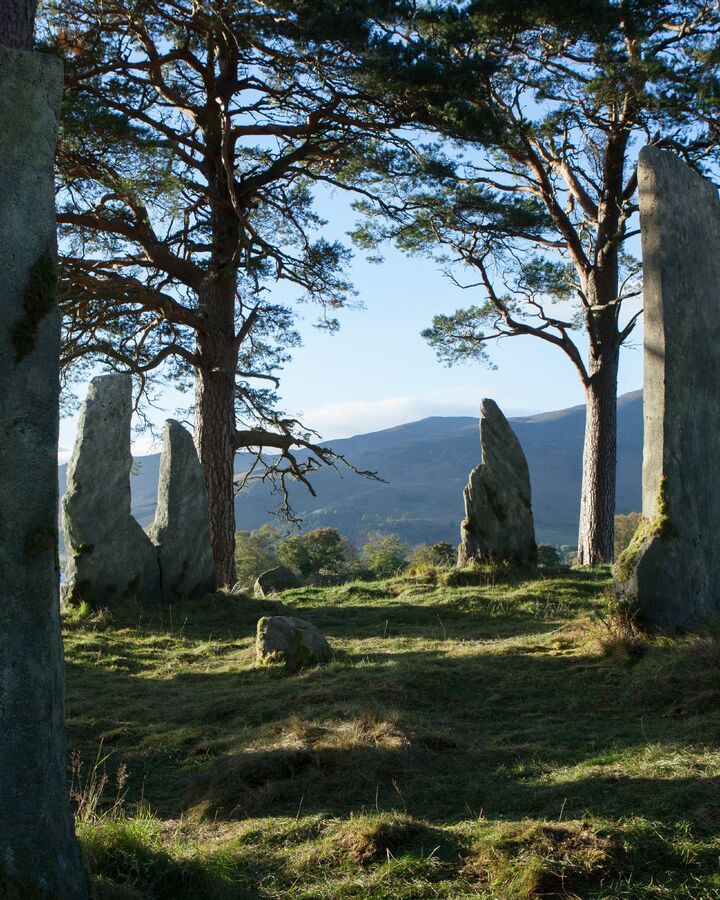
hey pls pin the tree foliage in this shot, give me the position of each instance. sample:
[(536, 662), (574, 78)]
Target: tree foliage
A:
[(322, 551), (546, 104), (384, 555), (194, 134)]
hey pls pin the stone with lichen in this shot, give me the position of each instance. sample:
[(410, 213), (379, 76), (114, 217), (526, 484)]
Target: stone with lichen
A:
[(181, 527), (110, 558), (498, 523), (670, 574), (39, 856), (294, 642)]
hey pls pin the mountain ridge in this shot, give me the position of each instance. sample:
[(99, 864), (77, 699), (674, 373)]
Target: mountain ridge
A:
[(425, 465)]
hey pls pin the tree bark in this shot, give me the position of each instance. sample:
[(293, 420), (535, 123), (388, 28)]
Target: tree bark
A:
[(17, 23), (597, 503), (215, 436)]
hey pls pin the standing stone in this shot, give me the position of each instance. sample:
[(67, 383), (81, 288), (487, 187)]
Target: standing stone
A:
[(498, 523), (39, 855), (181, 528), (110, 558), (670, 573)]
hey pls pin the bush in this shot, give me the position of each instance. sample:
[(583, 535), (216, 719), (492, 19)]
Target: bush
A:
[(625, 528), (256, 552), (323, 551), (548, 555), (385, 555), (426, 556)]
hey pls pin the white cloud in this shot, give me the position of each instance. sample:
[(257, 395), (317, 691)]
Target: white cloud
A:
[(337, 420), (143, 446)]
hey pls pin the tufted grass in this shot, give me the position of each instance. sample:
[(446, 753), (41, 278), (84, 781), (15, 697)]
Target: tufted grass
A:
[(486, 740)]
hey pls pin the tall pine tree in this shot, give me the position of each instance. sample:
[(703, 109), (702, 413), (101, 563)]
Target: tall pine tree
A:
[(548, 103), (194, 133)]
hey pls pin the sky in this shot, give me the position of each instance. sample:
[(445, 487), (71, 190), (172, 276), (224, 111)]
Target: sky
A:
[(378, 372)]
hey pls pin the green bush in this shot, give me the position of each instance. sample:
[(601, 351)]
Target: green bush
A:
[(385, 555), (548, 555), (425, 556), (256, 552), (322, 551)]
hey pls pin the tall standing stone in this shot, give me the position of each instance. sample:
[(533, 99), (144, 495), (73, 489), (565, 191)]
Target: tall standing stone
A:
[(39, 855), (498, 523), (110, 558), (181, 529), (671, 571)]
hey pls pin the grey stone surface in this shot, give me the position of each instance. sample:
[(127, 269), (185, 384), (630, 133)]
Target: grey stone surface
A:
[(498, 523), (110, 558), (181, 528), (673, 577), (275, 580), (295, 642), (39, 856)]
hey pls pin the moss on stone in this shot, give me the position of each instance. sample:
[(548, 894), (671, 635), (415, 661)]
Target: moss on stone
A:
[(660, 526), (83, 550), (39, 299)]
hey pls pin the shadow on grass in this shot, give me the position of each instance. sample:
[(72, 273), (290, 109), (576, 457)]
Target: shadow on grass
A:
[(444, 736)]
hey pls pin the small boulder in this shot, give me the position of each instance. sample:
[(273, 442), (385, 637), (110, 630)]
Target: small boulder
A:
[(275, 580), (295, 642)]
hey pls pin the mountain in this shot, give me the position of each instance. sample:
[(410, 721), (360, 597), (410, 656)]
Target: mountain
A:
[(425, 466)]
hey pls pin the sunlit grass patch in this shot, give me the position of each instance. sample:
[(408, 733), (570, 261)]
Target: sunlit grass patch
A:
[(465, 741)]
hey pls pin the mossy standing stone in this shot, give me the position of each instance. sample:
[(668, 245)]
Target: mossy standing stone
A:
[(670, 574), (110, 557), (181, 528), (39, 855), (498, 523)]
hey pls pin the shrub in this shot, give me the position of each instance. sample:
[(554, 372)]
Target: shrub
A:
[(323, 551), (426, 556), (256, 552), (548, 555), (625, 528), (385, 555)]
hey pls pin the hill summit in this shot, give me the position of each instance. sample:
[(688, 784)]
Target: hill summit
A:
[(425, 466)]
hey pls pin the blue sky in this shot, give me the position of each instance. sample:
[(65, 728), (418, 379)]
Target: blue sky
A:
[(378, 372)]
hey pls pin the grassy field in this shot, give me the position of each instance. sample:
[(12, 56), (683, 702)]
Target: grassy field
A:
[(480, 741)]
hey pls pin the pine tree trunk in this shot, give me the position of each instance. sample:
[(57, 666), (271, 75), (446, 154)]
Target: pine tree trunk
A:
[(215, 441), (597, 504), (17, 23)]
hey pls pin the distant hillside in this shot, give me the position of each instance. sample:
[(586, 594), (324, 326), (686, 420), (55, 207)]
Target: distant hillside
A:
[(426, 466)]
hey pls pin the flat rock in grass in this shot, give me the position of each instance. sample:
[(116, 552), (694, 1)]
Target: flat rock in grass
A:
[(181, 528), (498, 523), (275, 580), (110, 558), (295, 642)]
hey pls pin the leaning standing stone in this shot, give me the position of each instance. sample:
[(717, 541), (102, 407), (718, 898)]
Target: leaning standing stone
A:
[(39, 856), (670, 574), (181, 528), (110, 558), (295, 642), (498, 523)]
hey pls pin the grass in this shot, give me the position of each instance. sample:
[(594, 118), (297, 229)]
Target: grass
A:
[(491, 741)]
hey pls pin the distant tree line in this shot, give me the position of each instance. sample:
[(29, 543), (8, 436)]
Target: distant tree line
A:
[(325, 552)]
